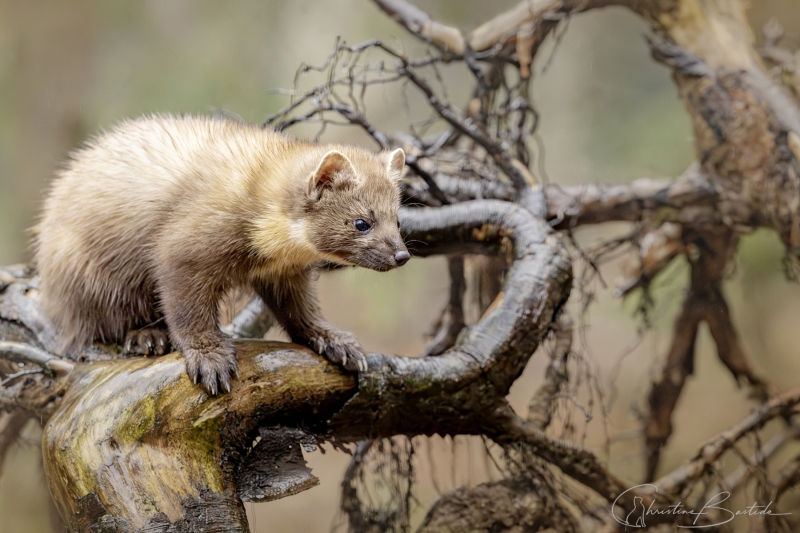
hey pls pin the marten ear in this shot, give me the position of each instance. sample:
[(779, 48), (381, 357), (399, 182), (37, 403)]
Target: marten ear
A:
[(397, 160), (333, 170)]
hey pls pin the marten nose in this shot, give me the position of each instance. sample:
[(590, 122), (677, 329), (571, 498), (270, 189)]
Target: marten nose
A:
[(401, 257)]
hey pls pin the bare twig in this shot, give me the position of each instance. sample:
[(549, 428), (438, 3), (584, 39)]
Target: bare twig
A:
[(575, 461), (542, 405), (677, 480), (754, 464), (511, 166), (656, 249), (21, 373), (788, 477)]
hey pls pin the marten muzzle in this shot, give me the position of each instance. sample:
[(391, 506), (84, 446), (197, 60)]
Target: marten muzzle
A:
[(401, 257)]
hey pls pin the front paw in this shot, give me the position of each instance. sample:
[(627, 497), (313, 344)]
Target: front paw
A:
[(340, 347), (212, 367)]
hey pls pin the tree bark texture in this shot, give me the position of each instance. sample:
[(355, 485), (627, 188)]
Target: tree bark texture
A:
[(134, 445)]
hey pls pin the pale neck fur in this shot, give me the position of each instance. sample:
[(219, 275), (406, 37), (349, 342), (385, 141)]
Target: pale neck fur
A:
[(278, 234)]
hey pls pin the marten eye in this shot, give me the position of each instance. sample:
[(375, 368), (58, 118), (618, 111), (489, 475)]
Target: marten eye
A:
[(362, 225)]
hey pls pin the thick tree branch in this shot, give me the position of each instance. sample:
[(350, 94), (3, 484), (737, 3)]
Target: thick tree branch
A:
[(691, 199), (164, 421), (420, 24), (25, 353), (536, 18)]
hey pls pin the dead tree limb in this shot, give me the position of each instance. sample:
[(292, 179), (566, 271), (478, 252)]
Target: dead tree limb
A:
[(93, 444), (704, 302)]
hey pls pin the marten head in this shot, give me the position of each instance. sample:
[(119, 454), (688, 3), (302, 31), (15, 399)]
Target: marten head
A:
[(352, 207)]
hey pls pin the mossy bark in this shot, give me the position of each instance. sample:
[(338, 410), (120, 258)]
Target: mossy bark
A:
[(137, 446), (134, 445)]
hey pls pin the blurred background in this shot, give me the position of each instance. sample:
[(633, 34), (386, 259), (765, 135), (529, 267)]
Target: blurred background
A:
[(69, 68)]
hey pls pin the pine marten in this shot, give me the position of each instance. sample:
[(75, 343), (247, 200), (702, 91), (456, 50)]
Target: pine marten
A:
[(151, 224)]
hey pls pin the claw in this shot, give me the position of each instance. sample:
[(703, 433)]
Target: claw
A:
[(213, 369), (344, 360), (146, 342)]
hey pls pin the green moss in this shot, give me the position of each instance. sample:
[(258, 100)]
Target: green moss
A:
[(415, 384), (201, 442), (136, 422)]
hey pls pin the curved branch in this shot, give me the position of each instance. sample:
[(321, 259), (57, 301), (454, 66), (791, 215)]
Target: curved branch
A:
[(459, 389), (418, 22), (537, 16), (98, 436)]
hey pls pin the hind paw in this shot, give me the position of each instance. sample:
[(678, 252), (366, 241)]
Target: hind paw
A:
[(146, 341)]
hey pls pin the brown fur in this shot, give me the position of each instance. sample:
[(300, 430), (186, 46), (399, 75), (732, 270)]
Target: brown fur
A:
[(162, 216)]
